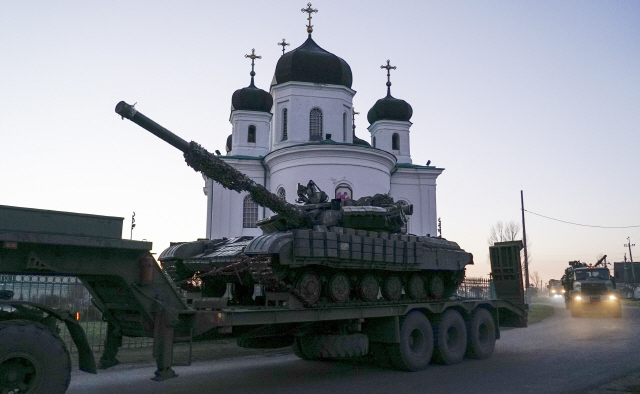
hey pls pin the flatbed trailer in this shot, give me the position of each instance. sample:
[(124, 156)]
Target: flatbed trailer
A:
[(138, 299)]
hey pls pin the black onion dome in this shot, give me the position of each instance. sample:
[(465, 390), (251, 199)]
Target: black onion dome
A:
[(251, 99), (390, 108), (358, 141), (310, 63)]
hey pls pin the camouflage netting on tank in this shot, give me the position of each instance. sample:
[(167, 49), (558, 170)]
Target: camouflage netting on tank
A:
[(215, 168)]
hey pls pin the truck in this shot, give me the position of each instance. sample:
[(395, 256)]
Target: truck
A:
[(589, 288), (424, 323), (556, 289)]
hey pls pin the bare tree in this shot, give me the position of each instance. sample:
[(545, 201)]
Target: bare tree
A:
[(503, 232), (536, 280), (510, 231)]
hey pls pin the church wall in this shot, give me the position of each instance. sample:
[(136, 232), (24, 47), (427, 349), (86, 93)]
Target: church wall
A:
[(300, 98), (226, 206), (383, 131), (241, 120), (417, 186), (366, 171)]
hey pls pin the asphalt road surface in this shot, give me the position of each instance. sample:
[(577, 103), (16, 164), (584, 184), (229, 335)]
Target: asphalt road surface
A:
[(559, 355)]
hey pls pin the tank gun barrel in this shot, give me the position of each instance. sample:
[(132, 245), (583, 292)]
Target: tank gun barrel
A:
[(128, 111), (213, 167)]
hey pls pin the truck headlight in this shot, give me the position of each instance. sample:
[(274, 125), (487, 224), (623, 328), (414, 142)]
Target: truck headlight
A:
[(553, 291), (612, 297), (563, 291), (577, 298)]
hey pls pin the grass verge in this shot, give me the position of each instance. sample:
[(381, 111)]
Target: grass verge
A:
[(539, 312), (629, 302)]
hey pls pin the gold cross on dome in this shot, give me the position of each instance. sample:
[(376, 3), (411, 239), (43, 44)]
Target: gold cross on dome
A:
[(389, 67), (283, 44), (309, 11), (353, 116), (253, 57)]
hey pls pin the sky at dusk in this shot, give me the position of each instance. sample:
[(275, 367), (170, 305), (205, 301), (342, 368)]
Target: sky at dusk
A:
[(542, 97)]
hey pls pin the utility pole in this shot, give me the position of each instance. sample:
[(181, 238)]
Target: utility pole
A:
[(633, 271), (526, 260)]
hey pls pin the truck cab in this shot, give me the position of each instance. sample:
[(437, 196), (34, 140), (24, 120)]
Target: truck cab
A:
[(590, 288), (555, 288)]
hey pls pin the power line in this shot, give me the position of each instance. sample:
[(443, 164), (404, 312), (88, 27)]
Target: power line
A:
[(578, 224)]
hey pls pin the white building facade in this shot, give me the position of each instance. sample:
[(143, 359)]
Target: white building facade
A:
[(303, 130)]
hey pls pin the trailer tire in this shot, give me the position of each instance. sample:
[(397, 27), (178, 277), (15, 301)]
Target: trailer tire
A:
[(414, 351), (32, 359), (481, 335), (450, 338), (334, 347), (297, 349), (271, 342)]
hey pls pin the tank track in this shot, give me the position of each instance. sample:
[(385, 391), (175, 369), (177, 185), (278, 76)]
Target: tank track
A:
[(275, 278)]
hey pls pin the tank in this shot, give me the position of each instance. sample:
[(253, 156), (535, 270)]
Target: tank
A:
[(320, 251)]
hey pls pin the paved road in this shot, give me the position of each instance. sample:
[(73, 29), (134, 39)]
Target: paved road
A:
[(560, 354)]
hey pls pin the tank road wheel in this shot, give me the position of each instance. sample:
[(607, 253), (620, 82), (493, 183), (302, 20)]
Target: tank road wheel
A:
[(309, 287), (392, 288), (482, 335), (414, 351), (339, 288), (32, 359), (450, 335), (368, 288), (436, 287), (416, 287)]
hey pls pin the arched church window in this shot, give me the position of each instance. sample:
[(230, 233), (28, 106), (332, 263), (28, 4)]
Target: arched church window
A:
[(395, 141), (315, 125), (344, 127), (374, 142), (344, 192), (284, 123), (249, 213), (406, 229), (282, 194), (251, 137)]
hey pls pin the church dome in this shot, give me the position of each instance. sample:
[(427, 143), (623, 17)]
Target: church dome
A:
[(251, 99), (390, 108), (310, 63)]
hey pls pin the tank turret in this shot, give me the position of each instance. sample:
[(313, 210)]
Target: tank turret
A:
[(321, 251)]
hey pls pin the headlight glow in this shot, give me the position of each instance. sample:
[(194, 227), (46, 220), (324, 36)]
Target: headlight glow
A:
[(563, 291), (578, 298), (553, 291), (612, 297)]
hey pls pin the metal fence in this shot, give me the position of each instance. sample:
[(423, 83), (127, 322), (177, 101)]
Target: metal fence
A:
[(66, 293), (475, 288)]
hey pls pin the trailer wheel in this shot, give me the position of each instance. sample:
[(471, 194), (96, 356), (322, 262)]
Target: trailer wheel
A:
[(297, 349), (450, 335), (482, 335), (271, 342), (32, 359), (414, 351), (334, 347)]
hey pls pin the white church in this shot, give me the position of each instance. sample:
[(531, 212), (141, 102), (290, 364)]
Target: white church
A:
[(302, 129)]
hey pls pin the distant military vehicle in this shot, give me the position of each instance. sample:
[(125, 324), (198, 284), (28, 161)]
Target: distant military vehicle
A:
[(556, 289), (590, 288)]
